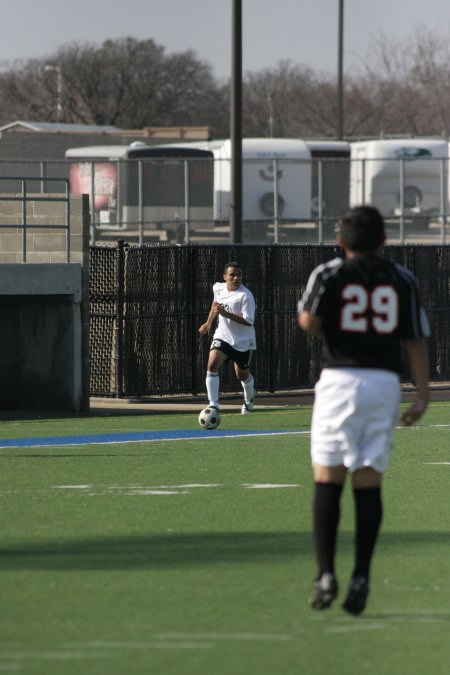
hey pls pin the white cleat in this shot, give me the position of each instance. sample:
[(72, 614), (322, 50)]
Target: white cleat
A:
[(247, 407)]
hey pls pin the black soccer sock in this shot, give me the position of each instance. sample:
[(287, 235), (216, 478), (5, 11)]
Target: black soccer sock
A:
[(326, 513), (369, 514)]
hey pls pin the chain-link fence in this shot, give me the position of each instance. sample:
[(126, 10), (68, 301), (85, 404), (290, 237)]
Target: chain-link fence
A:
[(147, 304), (285, 200)]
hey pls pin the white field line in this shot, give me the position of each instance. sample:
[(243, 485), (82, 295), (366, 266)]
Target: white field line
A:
[(356, 627), (268, 486), (208, 436), (383, 623), (150, 490), (244, 434), (193, 637)]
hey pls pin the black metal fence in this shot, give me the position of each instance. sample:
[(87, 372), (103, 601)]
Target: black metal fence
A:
[(146, 304)]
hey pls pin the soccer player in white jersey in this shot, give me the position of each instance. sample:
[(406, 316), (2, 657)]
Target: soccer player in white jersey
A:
[(365, 309), (234, 338)]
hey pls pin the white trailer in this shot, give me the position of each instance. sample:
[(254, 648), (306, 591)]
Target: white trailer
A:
[(276, 179), (330, 179), (163, 186), (401, 177)]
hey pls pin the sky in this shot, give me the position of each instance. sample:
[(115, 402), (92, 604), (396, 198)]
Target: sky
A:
[(302, 31)]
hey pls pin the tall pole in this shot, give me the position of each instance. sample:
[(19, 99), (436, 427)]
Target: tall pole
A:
[(236, 125), (340, 84), (269, 101), (59, 84)]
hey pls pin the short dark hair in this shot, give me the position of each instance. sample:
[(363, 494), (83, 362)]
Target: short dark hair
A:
[(362, 228), (233, 263)]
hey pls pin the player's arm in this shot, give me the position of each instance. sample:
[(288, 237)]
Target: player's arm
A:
[(246, 317), (417, 355), (205, 328), (233, 317), (311, 323), (308, 312)]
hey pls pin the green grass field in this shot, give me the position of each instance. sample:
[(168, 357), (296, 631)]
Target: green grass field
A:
[(194, 557)]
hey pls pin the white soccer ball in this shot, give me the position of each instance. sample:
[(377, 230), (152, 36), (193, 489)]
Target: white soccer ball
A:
[(209, 418)]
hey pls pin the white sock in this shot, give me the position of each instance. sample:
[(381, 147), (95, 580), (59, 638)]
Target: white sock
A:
[(212, 387), (249, 389)]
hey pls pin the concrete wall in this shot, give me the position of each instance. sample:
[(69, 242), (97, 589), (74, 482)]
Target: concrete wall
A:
[(44, 304), (48, 243)]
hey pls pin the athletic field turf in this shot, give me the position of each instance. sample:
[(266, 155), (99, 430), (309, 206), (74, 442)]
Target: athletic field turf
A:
[(127, 552)]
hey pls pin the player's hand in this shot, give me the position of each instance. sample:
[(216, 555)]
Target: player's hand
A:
[(204, 329), (414, 412)]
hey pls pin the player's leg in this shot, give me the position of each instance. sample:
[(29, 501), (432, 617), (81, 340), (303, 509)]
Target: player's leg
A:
[(368, 516), (333, 403), (216, 360), (328, 485), (378, 398), (242, 370)]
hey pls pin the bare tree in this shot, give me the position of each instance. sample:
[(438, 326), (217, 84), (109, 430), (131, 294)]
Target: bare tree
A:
[(296, 97), (126, 82), (403, 89), (409, 84)]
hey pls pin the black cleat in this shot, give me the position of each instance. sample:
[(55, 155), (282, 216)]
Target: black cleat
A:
[(358, 591), (325, 591)]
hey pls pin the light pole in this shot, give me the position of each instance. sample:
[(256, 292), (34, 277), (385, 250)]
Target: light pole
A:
[(236, 125), (269, 103), (340, 83), (59, 83)]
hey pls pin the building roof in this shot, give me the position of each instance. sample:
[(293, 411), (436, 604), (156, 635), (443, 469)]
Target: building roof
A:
[(57, 127)]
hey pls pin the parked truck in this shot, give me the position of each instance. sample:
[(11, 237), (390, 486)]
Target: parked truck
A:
[(284, 180), (401, 177), (193, 179), (159, 185), (276, 178)]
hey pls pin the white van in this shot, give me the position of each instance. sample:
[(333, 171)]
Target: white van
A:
[(399, 177)]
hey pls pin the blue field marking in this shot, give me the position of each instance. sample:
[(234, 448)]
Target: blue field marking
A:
[(133, 437)]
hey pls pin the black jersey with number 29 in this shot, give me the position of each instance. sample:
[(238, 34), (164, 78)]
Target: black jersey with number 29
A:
[(367, 306)]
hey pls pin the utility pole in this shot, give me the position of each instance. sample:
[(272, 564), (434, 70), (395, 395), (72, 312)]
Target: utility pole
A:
[(236, 125), (59, 84), (269, 102), (340, 79)]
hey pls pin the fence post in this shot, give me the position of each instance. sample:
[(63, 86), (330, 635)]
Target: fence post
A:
[(120, 283), (141, 201), (193, 261), (320, 195), (443, 200), (92, 202), (186, 201), (272, 253), (402, 200), (275, 200)]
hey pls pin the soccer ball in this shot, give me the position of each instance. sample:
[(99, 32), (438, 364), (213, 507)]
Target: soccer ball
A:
[(209, 418)]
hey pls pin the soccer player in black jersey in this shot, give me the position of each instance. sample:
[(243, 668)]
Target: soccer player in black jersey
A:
[(366, 310)]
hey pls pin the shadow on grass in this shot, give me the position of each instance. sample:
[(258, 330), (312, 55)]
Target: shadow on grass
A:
[(180, 550), (33, 415), (176, 550)]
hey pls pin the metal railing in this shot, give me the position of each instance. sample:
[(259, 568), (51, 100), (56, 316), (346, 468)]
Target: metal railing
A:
[(25, 198), (285, 201)]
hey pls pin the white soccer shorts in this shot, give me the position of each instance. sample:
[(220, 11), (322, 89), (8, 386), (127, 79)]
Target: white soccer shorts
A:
[(354, 418)]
